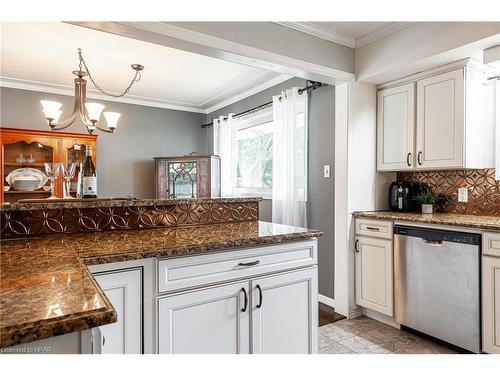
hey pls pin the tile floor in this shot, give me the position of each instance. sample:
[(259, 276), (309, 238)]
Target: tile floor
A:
[(363, 335)]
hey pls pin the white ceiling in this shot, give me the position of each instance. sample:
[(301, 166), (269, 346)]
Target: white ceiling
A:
[(350, 34), (41, 56)]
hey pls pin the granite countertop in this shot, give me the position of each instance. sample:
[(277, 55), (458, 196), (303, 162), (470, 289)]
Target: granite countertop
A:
[(469, 221), (46, 289), (115, 202)]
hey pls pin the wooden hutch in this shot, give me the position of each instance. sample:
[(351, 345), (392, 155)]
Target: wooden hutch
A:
[(31, 148)]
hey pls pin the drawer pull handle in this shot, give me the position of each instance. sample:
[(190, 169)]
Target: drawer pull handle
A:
[(419, 158), (356, 247), (260, 296), (373, 228), (408, 159), (249, 264), (245, 300)]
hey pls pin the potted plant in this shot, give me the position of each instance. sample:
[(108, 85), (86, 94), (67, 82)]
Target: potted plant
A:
[(427, 199)]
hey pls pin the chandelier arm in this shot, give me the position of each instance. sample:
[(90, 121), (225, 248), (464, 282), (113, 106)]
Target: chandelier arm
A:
[(76, 108), (102, 129), (83, 110)]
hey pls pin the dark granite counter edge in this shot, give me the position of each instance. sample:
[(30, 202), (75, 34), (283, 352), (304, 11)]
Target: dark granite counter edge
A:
[(56, 326), (25, 333), (120, 202), (385, 215)]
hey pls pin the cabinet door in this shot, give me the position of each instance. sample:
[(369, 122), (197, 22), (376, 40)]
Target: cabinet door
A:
[(285, 313), (396, 128), (205, 321), (74, 150), (124, 291), (491, 304), (374, 274), (440, 121)]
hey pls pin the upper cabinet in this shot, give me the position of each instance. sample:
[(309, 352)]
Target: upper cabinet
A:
[(442, 127), (440, 121), (396, 127), (25, 151)]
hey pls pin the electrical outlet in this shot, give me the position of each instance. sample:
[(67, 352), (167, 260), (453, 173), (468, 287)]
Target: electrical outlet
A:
[(326, 171), (463, 194)]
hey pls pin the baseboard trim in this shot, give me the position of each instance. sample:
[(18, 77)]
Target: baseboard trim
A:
[(326, 300)]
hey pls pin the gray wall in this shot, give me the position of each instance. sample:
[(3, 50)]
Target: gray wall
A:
[(125, 163), (321, 152)]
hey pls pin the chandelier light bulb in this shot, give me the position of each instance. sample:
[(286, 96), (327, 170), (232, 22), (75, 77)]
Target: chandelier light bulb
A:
[(94, 111), (112, 119), (51, 109)]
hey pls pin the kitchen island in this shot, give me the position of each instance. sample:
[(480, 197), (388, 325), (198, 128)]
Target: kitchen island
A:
[(52, 285)]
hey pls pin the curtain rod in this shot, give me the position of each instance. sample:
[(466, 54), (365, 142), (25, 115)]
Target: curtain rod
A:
[(311, 85)]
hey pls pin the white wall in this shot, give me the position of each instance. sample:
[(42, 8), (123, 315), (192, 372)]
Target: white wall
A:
[(358, 186), (423, 46)]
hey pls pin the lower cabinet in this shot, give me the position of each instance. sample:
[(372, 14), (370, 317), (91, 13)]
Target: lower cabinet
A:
[(274, 314), (205, 321), (491, 304), (124, 291), (284, 313), (374, 274)]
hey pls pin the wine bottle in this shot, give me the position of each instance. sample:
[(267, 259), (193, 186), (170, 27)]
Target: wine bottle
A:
[(89, 176)]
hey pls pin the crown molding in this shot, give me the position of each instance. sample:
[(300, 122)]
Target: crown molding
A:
[(323, 33), (378, 34), (320, 32), (245, 94), (51, 88), (65, 90)]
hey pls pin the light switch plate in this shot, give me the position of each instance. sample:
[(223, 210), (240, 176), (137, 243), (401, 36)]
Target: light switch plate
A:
[(463, 194), (326, 171)]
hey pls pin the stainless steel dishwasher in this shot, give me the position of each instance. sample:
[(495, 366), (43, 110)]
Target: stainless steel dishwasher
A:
[(437, 284)]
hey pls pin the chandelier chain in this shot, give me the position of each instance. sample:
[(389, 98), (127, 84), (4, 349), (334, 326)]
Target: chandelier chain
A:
[(137, 78)]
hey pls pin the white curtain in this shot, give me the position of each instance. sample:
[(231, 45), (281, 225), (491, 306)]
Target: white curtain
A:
[(290, 158), (223, 146)]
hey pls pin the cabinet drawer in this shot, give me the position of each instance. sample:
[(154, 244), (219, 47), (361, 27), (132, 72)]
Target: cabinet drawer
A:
[(188, 272), (491, 244), (374, 228)]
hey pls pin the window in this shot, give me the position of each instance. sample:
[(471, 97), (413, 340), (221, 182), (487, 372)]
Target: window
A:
[(253, 149)]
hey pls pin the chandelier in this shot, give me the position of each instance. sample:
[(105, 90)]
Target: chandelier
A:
[(90, 113)]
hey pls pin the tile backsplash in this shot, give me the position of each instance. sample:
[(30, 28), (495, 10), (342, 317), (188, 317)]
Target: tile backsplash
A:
[(484, 190)]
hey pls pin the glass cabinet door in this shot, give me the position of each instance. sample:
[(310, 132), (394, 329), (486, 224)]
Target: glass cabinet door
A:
[(74, 150), (23, 170), (182, 179)]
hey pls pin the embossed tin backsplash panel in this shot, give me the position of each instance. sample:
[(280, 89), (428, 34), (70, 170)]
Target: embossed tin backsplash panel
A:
[(484, 190), (18, 224)]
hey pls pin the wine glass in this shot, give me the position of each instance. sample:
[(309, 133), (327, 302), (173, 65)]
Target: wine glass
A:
[(68, 171), (52, 171)]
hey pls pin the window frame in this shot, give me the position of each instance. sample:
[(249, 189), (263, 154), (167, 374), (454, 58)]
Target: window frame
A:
[(260, 117)]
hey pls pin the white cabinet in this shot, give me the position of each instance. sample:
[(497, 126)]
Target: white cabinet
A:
[(491, 292), (124, 291), (206, 321), (272, 314), (440, 121), (284, 313), (396, 128), (374, 274), (450, 130), (491, 304)]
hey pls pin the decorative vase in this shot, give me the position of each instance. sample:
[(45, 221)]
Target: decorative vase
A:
[(427, 208)]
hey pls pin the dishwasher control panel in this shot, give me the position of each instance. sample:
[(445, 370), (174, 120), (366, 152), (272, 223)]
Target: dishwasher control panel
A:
[(438, 235)]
